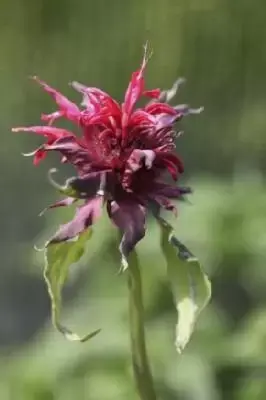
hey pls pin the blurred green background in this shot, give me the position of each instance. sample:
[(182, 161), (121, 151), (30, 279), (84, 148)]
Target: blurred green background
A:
[(219, 46)]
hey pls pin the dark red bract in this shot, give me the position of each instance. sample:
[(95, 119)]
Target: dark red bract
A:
[(120, 158)]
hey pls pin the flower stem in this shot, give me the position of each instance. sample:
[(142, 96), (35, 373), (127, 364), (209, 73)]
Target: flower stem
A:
[(142, 374)]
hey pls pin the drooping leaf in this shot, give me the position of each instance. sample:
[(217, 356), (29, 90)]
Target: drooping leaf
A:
[(190, 285), (58, 259)]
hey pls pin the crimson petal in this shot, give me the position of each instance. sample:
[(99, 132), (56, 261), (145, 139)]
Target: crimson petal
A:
[(129, 217), (173, 164), (165, 120), (164, 202), (85, 216), (152, 93), (94, 99), (135, 90), (184, 110), (73, 152), (67, 108), (39, 156), (160, 108), (137, 159), (68, 201), (167, 95), (68, 143), (51, 133), (172, 192), (48, 131), (88, 185)]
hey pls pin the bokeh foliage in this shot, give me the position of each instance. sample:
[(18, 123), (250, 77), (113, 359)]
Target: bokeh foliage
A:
[(218, 46)]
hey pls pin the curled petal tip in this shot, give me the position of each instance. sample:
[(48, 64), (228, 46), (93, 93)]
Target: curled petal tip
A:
[(18, 129), (52, 171), (145, 48), (77, 86), (42, 212), (56, 185), (180, 81), (148, 52), (196, 110), (30, 154), (179, 133), (34, 78), (66, 189), (168, 95), (45, 117), (73, 83), (39, 248)]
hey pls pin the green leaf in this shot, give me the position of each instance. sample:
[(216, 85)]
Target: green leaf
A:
[(58, 259), (190, 285)]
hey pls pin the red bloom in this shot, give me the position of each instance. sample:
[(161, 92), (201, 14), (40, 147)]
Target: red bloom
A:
[(120, 157)]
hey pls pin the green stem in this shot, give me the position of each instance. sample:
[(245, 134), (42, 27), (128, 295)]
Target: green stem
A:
[(140, 362)]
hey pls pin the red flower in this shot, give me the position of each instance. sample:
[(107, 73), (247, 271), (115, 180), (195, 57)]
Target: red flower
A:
[(120, 157)]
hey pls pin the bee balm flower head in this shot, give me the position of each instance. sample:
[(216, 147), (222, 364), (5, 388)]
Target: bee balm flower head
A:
[(120, 157)]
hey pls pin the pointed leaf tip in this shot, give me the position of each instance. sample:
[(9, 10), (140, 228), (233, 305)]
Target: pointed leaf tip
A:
[(59, 257), (191, 287)]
